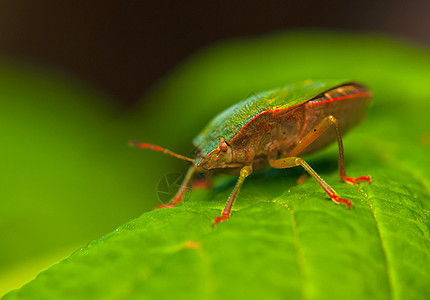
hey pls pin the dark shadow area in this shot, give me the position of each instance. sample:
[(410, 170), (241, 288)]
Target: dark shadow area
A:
[(125, 47)]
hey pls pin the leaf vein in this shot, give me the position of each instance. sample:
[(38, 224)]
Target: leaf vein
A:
[(383, 247), (296, 243)]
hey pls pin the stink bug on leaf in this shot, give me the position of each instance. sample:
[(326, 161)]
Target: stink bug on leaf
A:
[(272, 129)]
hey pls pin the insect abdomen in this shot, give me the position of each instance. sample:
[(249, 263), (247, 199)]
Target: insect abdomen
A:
[(346, 103)]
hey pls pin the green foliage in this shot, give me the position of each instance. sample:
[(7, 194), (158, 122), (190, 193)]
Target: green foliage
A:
[(283, 240)]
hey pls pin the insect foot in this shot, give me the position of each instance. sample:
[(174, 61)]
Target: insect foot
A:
[(220, 219), (170, 190), (165, 205), (338, 200), (352, 180)]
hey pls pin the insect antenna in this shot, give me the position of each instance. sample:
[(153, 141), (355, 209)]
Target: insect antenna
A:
[(160, 149)]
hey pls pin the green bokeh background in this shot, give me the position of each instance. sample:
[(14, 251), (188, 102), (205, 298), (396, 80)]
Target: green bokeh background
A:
[(67, 173), (69, 177)]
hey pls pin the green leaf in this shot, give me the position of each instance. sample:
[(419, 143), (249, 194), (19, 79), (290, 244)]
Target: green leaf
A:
[(283, 240)]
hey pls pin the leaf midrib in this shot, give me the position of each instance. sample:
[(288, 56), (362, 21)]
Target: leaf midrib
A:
[(382, 244)]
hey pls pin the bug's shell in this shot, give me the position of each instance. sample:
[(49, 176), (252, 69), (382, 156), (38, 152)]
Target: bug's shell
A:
[(228, 123)]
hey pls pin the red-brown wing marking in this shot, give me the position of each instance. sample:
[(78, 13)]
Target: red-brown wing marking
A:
[(341, 93)]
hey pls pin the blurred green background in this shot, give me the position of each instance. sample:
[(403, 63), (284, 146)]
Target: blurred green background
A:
[(67, 173)]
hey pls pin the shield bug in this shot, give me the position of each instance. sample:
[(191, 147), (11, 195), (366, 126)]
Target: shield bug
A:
[(275, 129)]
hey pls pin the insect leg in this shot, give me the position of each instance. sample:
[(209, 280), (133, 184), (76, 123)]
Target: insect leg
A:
[(182, 190), (316, 132), (290, 162), (244, 172)]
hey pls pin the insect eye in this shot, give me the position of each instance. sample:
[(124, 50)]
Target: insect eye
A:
[(223, 146)]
